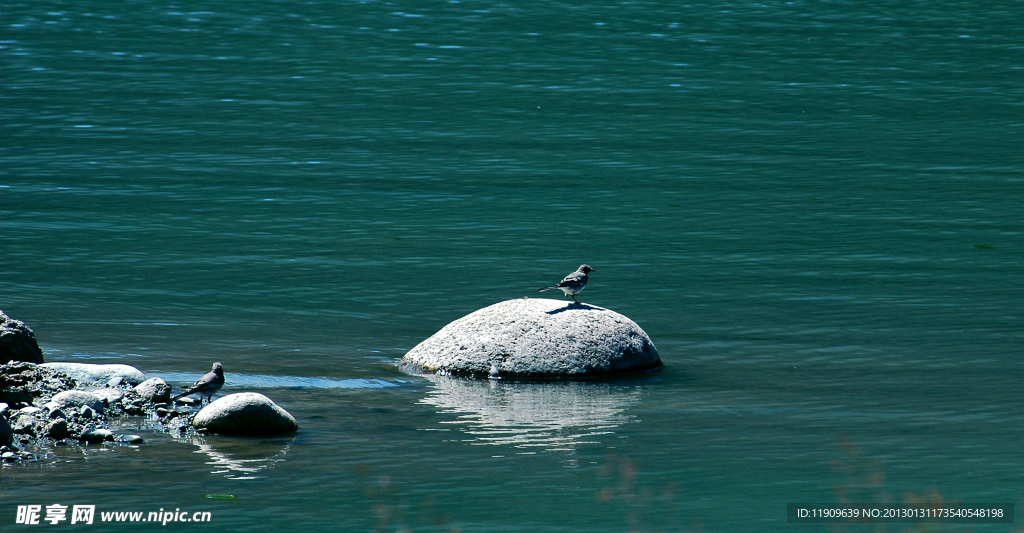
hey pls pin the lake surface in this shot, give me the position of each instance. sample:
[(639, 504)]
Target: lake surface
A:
[(814, 209)]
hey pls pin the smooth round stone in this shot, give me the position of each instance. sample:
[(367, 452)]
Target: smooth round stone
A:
[(131, 439), (75, 399), (98, 374), (527, 338), (58, 429), (10, 457), (155, 390), (245, 414)]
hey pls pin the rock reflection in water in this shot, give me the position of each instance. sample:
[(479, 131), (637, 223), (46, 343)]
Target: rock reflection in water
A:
[(241, 458), (546, 415)]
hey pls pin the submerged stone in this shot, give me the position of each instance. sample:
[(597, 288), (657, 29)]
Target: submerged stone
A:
[(536, 338)]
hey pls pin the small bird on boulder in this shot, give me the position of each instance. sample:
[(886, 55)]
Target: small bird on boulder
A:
[(572, 284), (207, 385)]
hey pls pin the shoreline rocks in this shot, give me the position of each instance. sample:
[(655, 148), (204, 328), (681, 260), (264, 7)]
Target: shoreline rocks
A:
[(247, 414), (17, 342), (536, 338)]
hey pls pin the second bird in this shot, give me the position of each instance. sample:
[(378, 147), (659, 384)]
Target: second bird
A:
[(572, 284)]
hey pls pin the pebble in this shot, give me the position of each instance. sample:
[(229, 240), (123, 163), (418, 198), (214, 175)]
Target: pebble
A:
[(86, 412), (9, 457)]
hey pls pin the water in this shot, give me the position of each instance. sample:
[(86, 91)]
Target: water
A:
[(813, 209)]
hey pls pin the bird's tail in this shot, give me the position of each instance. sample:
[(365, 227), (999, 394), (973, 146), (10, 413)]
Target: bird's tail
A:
[(547, 288), (182, 395)]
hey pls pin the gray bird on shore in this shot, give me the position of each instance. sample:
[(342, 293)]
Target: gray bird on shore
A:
[(207, 385), (572, 284)]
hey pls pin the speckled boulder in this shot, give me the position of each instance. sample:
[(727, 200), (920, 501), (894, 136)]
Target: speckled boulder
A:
[(245, 414), (154, 390), (536, 338), (17, 342), (98, 374)]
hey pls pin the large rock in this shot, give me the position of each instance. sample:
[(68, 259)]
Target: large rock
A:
[(245, 414), (155, 390), (6, 432), (73, 400), (17, 342), (98, 374), (536, 338)]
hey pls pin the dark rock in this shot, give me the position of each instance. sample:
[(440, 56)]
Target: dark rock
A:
[(6, 432), (154, 390), (92, 435), (25, 425), (86, 412), (536, 338), (17, 342), (58, 429), (245, 414)]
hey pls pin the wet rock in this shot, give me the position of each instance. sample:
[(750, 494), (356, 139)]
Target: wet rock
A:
[(10, 457), (98, 374), (56, 413), (154, 390), (245, 414), (17, 342), (86, 412), (75, 399), (130, 439), (58, 429), (536, 338), (92, 435)]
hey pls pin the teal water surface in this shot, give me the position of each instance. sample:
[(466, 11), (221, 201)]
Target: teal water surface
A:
[(812, 208)]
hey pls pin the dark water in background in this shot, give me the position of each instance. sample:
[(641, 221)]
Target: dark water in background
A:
[(813, 209)]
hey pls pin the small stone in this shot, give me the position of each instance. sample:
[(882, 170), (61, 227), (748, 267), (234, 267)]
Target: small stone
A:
[(25, 425), (161, 412), (30, 410), (9, 457), (154, 390), (86, 412), (115, 381), (57, 413)]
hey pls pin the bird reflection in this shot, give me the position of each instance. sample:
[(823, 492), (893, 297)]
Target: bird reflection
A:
[(545, 415)]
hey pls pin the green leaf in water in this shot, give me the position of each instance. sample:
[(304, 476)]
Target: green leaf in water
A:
[(220, 497), (984, 247)]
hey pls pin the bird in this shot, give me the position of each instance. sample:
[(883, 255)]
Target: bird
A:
[(207, 385), (572, 284)]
